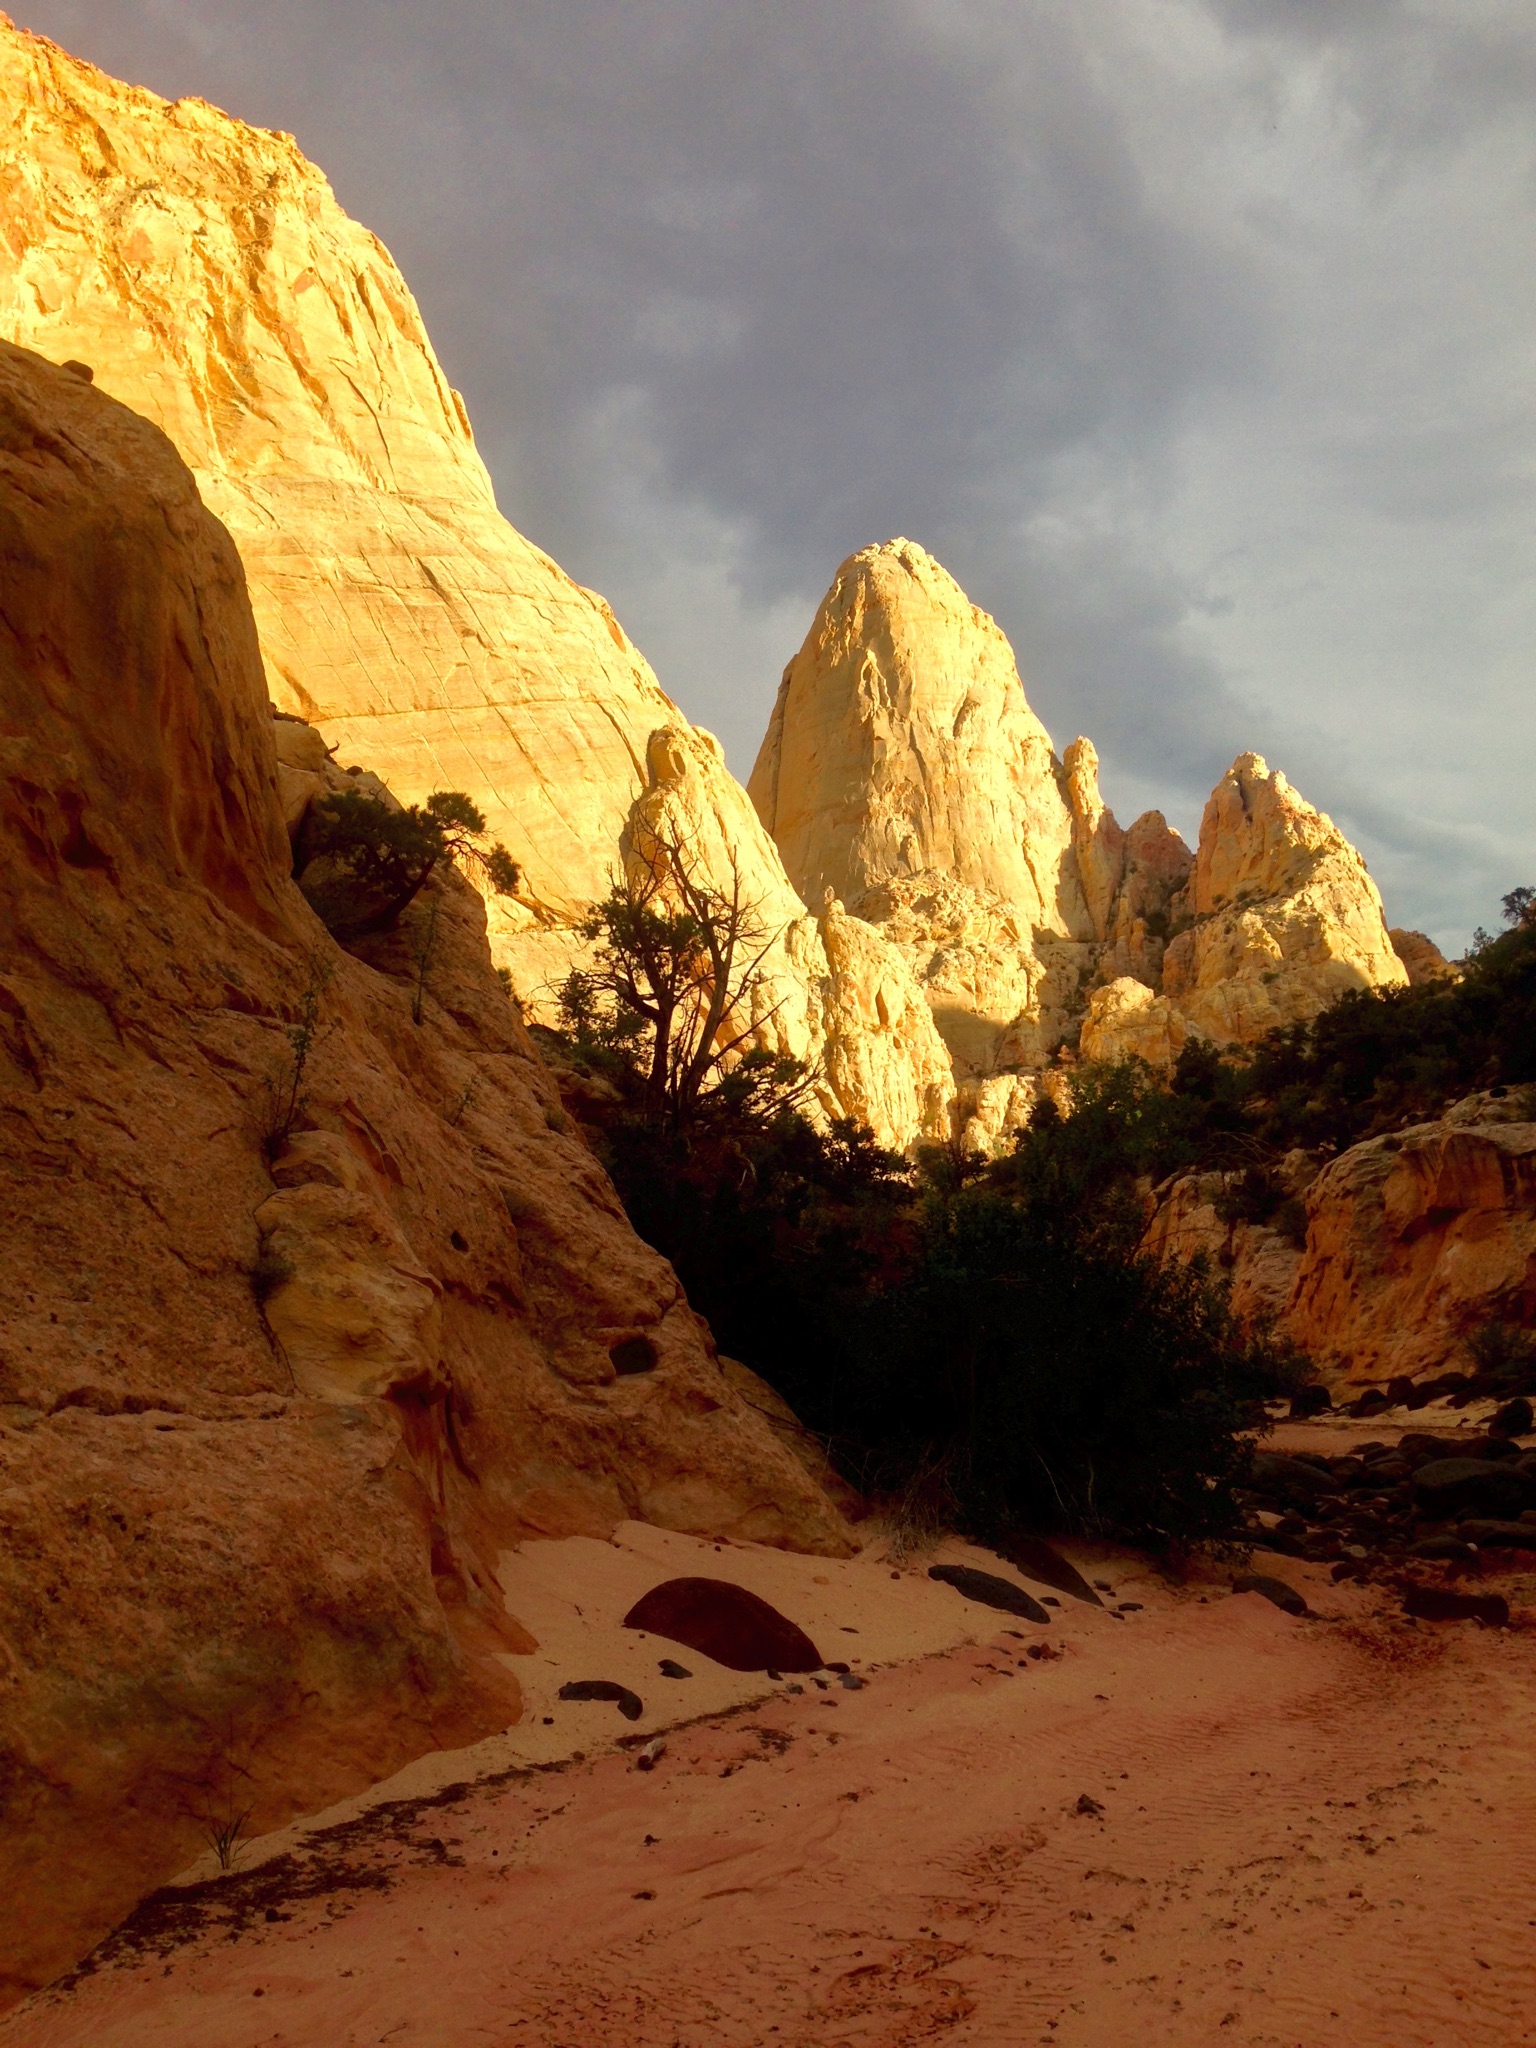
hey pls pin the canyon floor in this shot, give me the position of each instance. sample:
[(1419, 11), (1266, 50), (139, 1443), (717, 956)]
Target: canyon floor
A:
[(1194, 1819)]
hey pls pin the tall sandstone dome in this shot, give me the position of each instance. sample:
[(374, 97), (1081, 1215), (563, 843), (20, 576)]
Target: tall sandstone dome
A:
[(904, 774), (264, 1426), (205, 273)]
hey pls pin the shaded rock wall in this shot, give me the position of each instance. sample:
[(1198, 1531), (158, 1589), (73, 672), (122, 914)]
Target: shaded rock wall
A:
[(263, 1429)]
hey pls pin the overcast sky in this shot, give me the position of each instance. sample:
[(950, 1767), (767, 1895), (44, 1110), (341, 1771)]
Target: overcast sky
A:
[(1195, 337)]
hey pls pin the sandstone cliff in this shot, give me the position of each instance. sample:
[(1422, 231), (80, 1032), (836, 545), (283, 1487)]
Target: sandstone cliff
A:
[(204, 272), (267, 1408)]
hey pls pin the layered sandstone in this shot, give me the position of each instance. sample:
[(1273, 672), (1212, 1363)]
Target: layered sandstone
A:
[(204, 272), (263, 1427)]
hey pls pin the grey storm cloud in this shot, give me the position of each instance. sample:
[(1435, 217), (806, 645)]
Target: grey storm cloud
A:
[(1191, 335)]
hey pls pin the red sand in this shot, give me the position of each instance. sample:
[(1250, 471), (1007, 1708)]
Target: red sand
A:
[(1313, 1833)]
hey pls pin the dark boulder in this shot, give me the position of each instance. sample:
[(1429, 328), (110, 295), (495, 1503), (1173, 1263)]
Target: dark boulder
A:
[(1451, 1488), (1498, 1535), (1284, 1597), (1314, 1400), (1439, 1603), (724, 1622), (988, 1590), (1037, 1559), (1452, 1549), (1296, 1482), (1513, 1419)]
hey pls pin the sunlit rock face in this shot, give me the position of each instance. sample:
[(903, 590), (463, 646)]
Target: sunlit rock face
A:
[(1279, 919), (904, 769), (204, 273)]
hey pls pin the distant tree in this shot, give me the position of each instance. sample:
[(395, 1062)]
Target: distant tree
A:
[(676, 992), (366, 862)]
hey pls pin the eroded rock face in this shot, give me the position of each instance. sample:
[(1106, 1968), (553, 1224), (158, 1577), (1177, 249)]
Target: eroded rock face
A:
[(1414, 1241), (204, 272), (265, 1429), (1421, 957), (904, 771), (1279, 919)]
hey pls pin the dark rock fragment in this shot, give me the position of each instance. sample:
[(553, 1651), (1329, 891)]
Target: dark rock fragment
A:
[(670, 1668), (628, 1703), (1473, 1486), (1490, 1535), (988, 1590), (1037, 1559), (1440, 1603), (1513, 1419), (1284, 1597)]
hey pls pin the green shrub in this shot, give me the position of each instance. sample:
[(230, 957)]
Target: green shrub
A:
[(362, 863)]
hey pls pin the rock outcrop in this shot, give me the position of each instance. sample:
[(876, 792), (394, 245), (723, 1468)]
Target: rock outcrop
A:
[(203, 271), (1421, 957), (1417, 1240), (306, 1307), (1414, 1242)]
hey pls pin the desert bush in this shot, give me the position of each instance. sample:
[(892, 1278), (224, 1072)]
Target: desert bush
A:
[(362, 863)]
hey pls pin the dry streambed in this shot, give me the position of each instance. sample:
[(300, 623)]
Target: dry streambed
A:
[(1181, 1816)]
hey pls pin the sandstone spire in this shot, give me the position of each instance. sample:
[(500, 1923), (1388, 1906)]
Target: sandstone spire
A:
[(902, 745), (1279, 919)]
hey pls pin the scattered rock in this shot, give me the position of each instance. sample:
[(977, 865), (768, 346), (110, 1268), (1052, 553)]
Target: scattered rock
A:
[(725, 1622), (988, 1590), (1087, 1806), (670, 1668), (1453, 1549), (1284, 1597), (1295, 1481), (1489, 1535), (1038, 1559), (648, 1758), (629, 1704), (1472, 1486), (1513, 1419), (1439, 1603), (850, 1682)]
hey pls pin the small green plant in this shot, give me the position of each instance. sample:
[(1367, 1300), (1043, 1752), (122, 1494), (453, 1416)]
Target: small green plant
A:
[(284, 1097), (423, 952), (1503, 1350), (269, 1272)]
